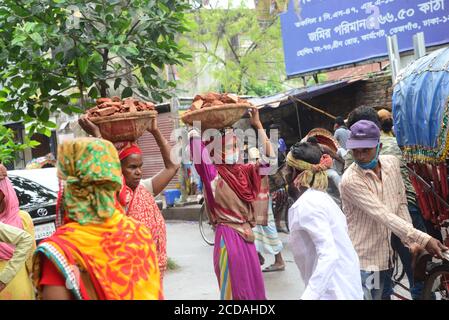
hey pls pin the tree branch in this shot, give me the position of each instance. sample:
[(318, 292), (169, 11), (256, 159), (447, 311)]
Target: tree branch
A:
[(121, 11), (233, 50), (131, 30), (206, 50), (254, 45), (21, 5), (103, 84), (54, 95), (123, 74)]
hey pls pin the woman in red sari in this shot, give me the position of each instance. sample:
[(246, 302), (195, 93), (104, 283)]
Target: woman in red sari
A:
[(138, 202), (137, 194)]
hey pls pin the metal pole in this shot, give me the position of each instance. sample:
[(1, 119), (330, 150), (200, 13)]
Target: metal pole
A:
[(393, 54), (419, 45), (174, 107), (299, 121)]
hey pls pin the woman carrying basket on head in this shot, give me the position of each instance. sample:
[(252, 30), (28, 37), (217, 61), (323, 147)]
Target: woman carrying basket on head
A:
[(238, 203)]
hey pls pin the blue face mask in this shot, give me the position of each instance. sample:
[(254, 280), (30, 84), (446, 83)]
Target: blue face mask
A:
[(372, 164)]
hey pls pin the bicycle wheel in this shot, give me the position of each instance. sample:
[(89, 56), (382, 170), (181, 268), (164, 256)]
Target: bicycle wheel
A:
[(436, 286), (206, 229)]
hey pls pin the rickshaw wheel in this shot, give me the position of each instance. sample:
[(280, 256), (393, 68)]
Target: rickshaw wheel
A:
[(436, 286)]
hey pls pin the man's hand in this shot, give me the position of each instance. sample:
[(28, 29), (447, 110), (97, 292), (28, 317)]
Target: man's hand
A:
[(255, 119), (2, 286), (3, 172), (88, 126), (435, 248)]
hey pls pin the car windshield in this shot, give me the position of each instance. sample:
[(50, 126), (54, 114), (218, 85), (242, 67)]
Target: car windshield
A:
[(30, 193)]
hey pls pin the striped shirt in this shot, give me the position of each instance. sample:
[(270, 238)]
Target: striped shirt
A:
[(390, 147), (374, 208)]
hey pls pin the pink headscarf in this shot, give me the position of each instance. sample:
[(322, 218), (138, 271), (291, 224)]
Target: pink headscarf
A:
[(9, 216)]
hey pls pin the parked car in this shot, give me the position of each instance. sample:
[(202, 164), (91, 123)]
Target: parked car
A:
[(36, 190)]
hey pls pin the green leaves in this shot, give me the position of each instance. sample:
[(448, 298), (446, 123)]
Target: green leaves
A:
[(93, 93), (34, 143), (252, 58), (37, 38), (117, 83), (83, 64), (17, 40), (43, 114), (127, 92), (9, 146), (132, 50), (49, 60), (44, 131)]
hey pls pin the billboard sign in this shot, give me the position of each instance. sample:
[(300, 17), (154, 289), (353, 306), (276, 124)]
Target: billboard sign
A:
[(324, 34)]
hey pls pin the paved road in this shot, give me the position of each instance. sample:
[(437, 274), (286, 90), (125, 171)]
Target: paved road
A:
[(195, 278)]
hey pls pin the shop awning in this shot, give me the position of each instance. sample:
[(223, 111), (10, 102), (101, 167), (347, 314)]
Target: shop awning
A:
[(307, 93)]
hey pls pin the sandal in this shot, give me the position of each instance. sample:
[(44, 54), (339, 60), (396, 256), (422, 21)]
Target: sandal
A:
[(273, 268)]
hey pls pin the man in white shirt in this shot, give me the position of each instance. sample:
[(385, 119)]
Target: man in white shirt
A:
[(319, 237)]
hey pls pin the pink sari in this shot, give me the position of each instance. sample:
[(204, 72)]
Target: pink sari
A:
[(9, 216)]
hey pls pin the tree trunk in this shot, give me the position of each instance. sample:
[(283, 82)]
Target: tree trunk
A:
[(103, 84)]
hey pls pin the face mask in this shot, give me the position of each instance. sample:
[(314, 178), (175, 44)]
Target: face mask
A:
[(372, 164)]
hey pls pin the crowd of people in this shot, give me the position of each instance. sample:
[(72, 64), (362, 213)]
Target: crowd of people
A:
[(354, 216)]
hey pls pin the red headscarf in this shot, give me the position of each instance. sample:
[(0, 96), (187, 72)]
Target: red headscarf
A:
[(125, 149)]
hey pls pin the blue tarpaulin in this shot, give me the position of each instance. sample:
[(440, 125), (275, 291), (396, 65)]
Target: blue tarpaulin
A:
[(421, 108)]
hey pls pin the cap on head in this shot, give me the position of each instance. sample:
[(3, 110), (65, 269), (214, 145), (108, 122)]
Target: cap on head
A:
[(364, 134)]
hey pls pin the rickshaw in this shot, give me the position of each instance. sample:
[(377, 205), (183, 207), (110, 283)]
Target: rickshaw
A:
[(421, 124)]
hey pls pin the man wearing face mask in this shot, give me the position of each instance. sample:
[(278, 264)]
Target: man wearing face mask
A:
[(375, 204)]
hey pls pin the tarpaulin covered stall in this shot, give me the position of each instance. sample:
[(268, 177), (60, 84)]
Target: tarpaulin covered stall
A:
[(421, 116), (421, 108)]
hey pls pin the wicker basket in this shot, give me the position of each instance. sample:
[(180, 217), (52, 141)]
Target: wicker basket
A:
[(323, 136), (125, 126), (216, 117)]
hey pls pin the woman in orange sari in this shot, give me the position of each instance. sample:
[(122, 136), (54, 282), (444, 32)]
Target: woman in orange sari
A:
[(98, 253)]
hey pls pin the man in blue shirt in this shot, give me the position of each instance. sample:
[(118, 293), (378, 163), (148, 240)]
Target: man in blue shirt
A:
[(341, 132)]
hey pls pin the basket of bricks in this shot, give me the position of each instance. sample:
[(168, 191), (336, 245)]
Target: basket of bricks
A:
[(122, 120), (215, 110)]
